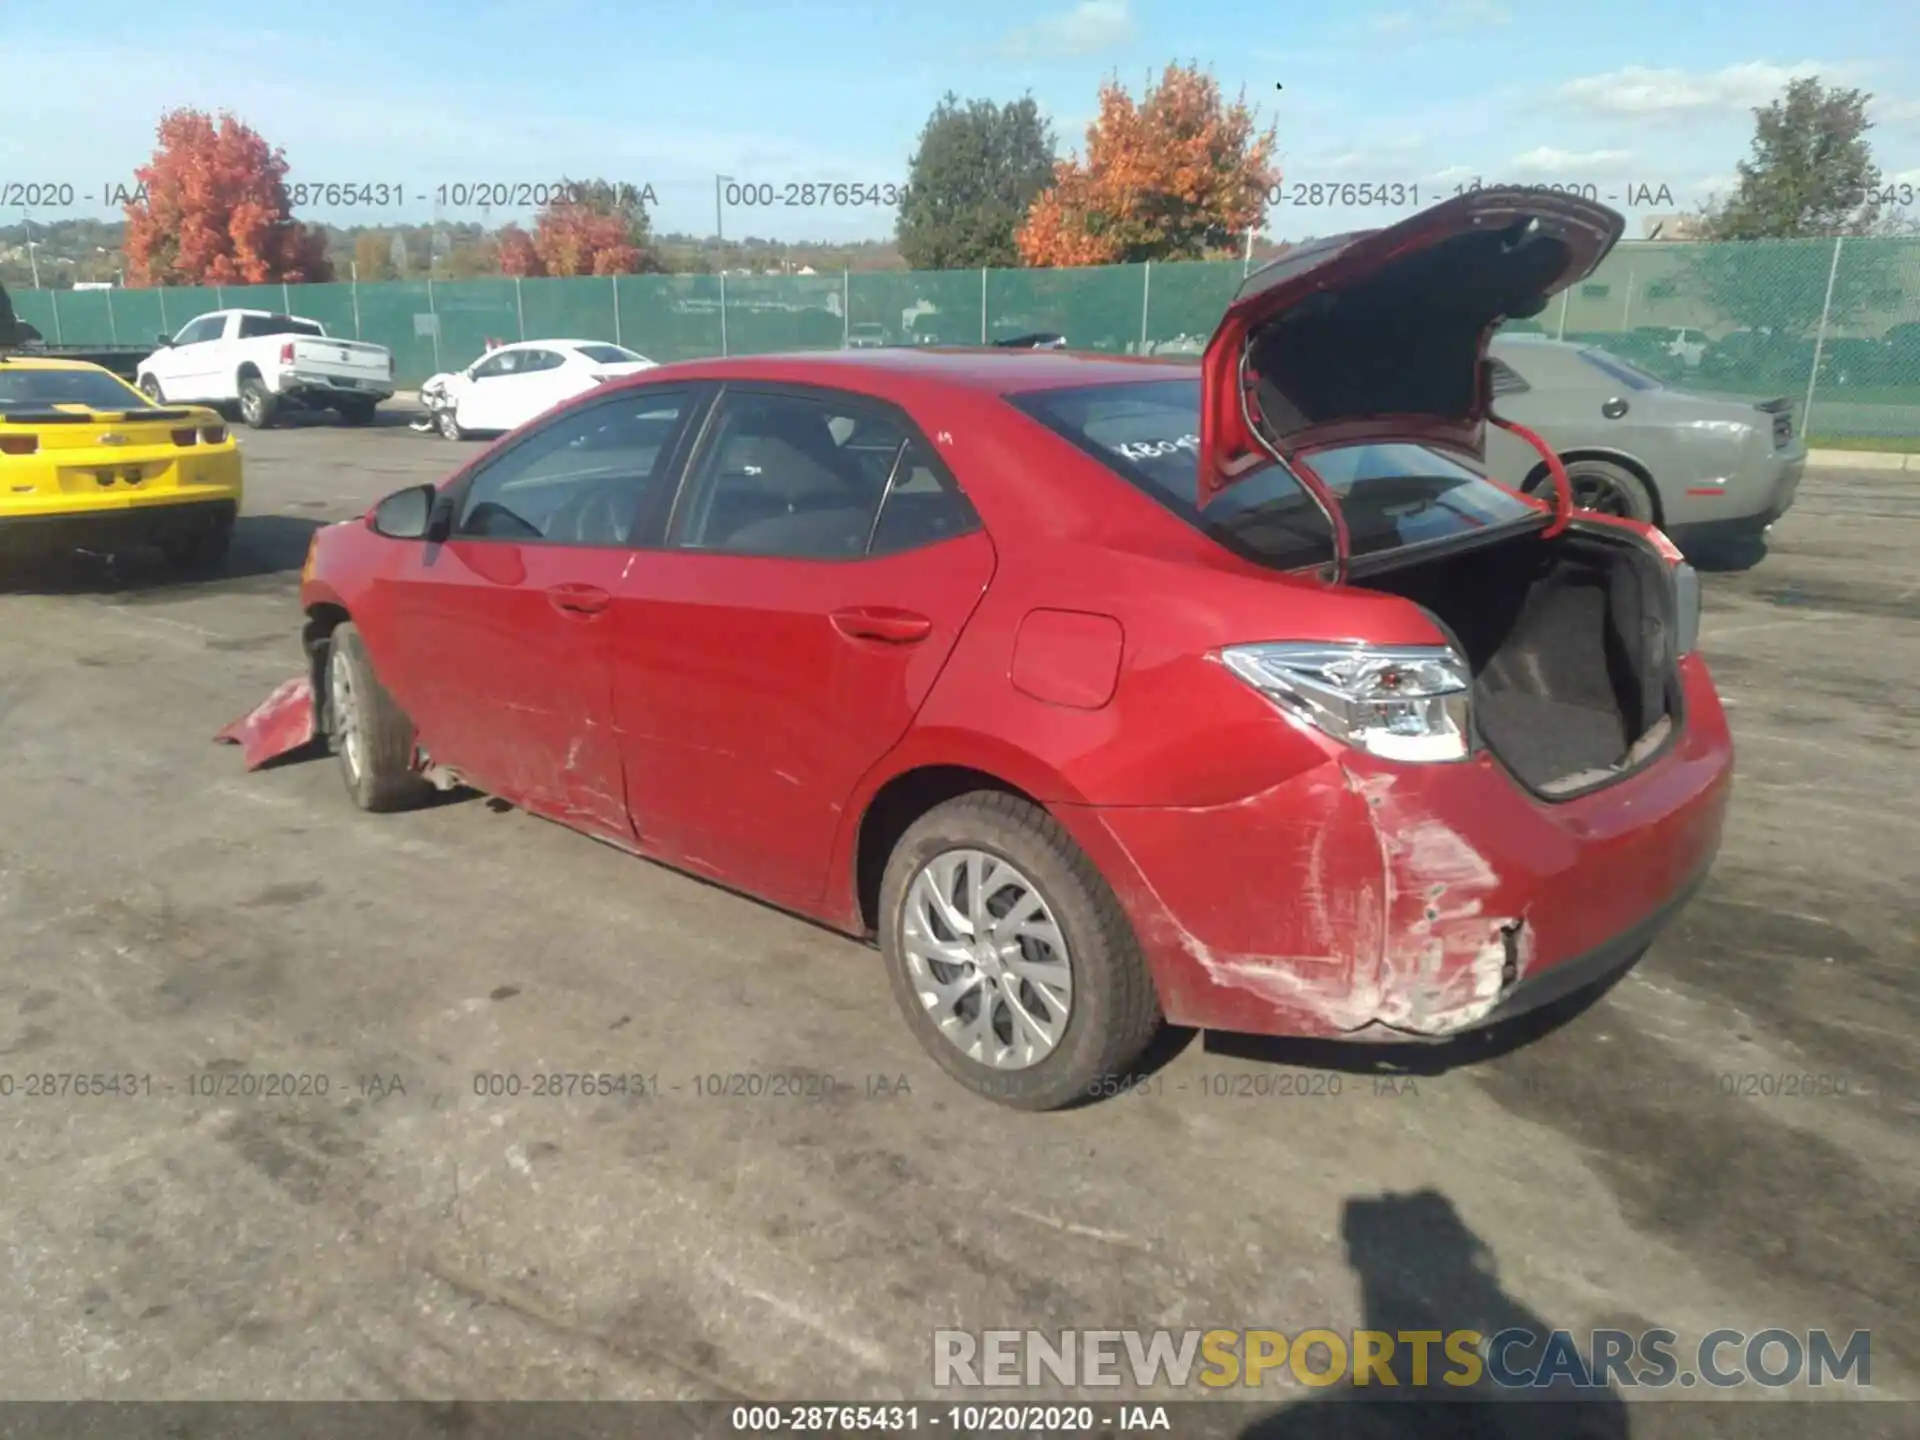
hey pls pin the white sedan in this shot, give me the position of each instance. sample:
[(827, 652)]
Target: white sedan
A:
[(511, 384)]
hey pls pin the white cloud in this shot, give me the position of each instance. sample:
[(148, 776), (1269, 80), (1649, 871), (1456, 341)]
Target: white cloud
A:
[(1905, 177), (1545, 162), (1894, 112), (1088, 28), (1640, 91), (1452, 175)]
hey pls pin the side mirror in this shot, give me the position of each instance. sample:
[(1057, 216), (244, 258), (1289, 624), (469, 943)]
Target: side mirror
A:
[(406, 514), (165, 342)]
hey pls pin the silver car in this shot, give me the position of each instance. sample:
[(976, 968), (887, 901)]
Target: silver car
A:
[(1713, 471)]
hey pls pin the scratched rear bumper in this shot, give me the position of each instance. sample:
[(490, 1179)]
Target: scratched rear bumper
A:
[(1376, 901)]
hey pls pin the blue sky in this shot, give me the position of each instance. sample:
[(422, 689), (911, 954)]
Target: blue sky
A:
[(463, 92)]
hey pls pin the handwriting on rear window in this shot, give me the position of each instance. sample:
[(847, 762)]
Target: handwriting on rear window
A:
[(1155, 449)]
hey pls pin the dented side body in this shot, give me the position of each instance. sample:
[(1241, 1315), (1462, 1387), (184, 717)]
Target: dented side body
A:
[(1373, 899)]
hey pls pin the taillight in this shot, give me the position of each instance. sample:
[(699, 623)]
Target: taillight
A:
[(1404, 703), (286, 353), (19, 444), (213, 435), (186, 436)]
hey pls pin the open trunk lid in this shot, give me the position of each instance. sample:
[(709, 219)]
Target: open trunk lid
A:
[(1380, 336)]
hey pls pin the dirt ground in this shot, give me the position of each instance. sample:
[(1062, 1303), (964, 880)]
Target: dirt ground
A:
[(165, 915)]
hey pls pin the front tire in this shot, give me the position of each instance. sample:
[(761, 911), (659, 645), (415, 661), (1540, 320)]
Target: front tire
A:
[(448, 427), (1010, 956), (371, 735), (258, 405)]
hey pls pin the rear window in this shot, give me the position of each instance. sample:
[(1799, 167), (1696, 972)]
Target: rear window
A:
[(253, 326), (1632, 376), (607, 354), (95, 389), (1392, 495)]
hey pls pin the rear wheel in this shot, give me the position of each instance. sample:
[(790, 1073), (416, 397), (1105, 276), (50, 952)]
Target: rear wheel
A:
[(371, 734), (356, 412), (1606, 489), (1009, 955), (258, 405)]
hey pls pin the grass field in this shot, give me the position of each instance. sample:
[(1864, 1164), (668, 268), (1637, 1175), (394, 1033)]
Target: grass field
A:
[(1899, 444)]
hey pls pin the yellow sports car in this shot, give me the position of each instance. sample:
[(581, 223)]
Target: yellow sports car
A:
[(87, 462)]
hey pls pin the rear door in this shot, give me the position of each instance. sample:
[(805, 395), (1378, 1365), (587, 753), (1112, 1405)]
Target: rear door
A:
[(496, 642), (819, 565)]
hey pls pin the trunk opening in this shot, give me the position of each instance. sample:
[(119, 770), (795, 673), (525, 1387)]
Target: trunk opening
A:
[(1570, 641)]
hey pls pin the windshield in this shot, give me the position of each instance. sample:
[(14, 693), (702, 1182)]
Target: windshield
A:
[(95, 389), (1392, 495), (608, 354), (1627, 374)]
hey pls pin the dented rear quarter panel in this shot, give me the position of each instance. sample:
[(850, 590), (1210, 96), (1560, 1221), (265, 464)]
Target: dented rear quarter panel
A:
[(1361, 892)]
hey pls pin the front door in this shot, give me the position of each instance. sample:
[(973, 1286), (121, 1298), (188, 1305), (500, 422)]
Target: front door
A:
[(499, 635), (819, 566)]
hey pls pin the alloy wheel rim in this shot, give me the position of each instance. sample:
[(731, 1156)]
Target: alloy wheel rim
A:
[(250, 402), (346, 709), (987, 959), (1600, 495), (446, 423)]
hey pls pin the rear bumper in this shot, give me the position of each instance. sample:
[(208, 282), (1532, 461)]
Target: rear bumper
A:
[(1743, 506), (324, 390), (123, 528), (1374, 901)]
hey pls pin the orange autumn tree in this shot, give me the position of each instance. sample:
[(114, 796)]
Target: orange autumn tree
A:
[(1178, 176), (213, 209), (595, 228)]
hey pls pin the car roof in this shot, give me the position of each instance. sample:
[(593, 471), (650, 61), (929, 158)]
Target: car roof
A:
[(899, 371)]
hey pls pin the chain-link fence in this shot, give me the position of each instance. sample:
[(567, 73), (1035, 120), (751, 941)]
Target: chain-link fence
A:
[(1834, 324)]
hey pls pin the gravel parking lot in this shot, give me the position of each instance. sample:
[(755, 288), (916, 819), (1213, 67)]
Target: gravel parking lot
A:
[(1643, 1162)]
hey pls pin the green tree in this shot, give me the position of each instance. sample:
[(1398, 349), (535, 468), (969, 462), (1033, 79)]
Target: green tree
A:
[(1811, 172), (977, 169), (1811, 177)]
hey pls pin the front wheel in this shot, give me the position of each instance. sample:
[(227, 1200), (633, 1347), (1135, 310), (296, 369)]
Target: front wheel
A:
[(448, 427), (258, 405), (1010, 956), (150, 387), (371, 735)]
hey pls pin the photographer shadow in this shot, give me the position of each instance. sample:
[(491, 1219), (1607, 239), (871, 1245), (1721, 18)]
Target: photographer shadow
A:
[(1423, 1269)]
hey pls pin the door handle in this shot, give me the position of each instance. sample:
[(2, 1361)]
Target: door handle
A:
[(882, 622), (578, 599)]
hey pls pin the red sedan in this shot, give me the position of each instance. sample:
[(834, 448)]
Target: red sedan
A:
[(1103, 693)]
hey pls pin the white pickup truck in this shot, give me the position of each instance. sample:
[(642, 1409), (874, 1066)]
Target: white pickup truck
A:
[(266, 363)]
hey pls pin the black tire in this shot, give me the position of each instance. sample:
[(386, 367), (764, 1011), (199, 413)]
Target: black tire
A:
[(448, 427), (1115, 1010), (1605, 488), (259, 406), (378, 772), (150, 387), (357, 412), (199, 550)]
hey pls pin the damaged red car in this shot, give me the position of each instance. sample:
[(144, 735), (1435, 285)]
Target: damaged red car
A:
[(1102, 693)]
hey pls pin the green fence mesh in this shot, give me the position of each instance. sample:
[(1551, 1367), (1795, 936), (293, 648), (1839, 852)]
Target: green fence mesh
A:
[(1746, 318)]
